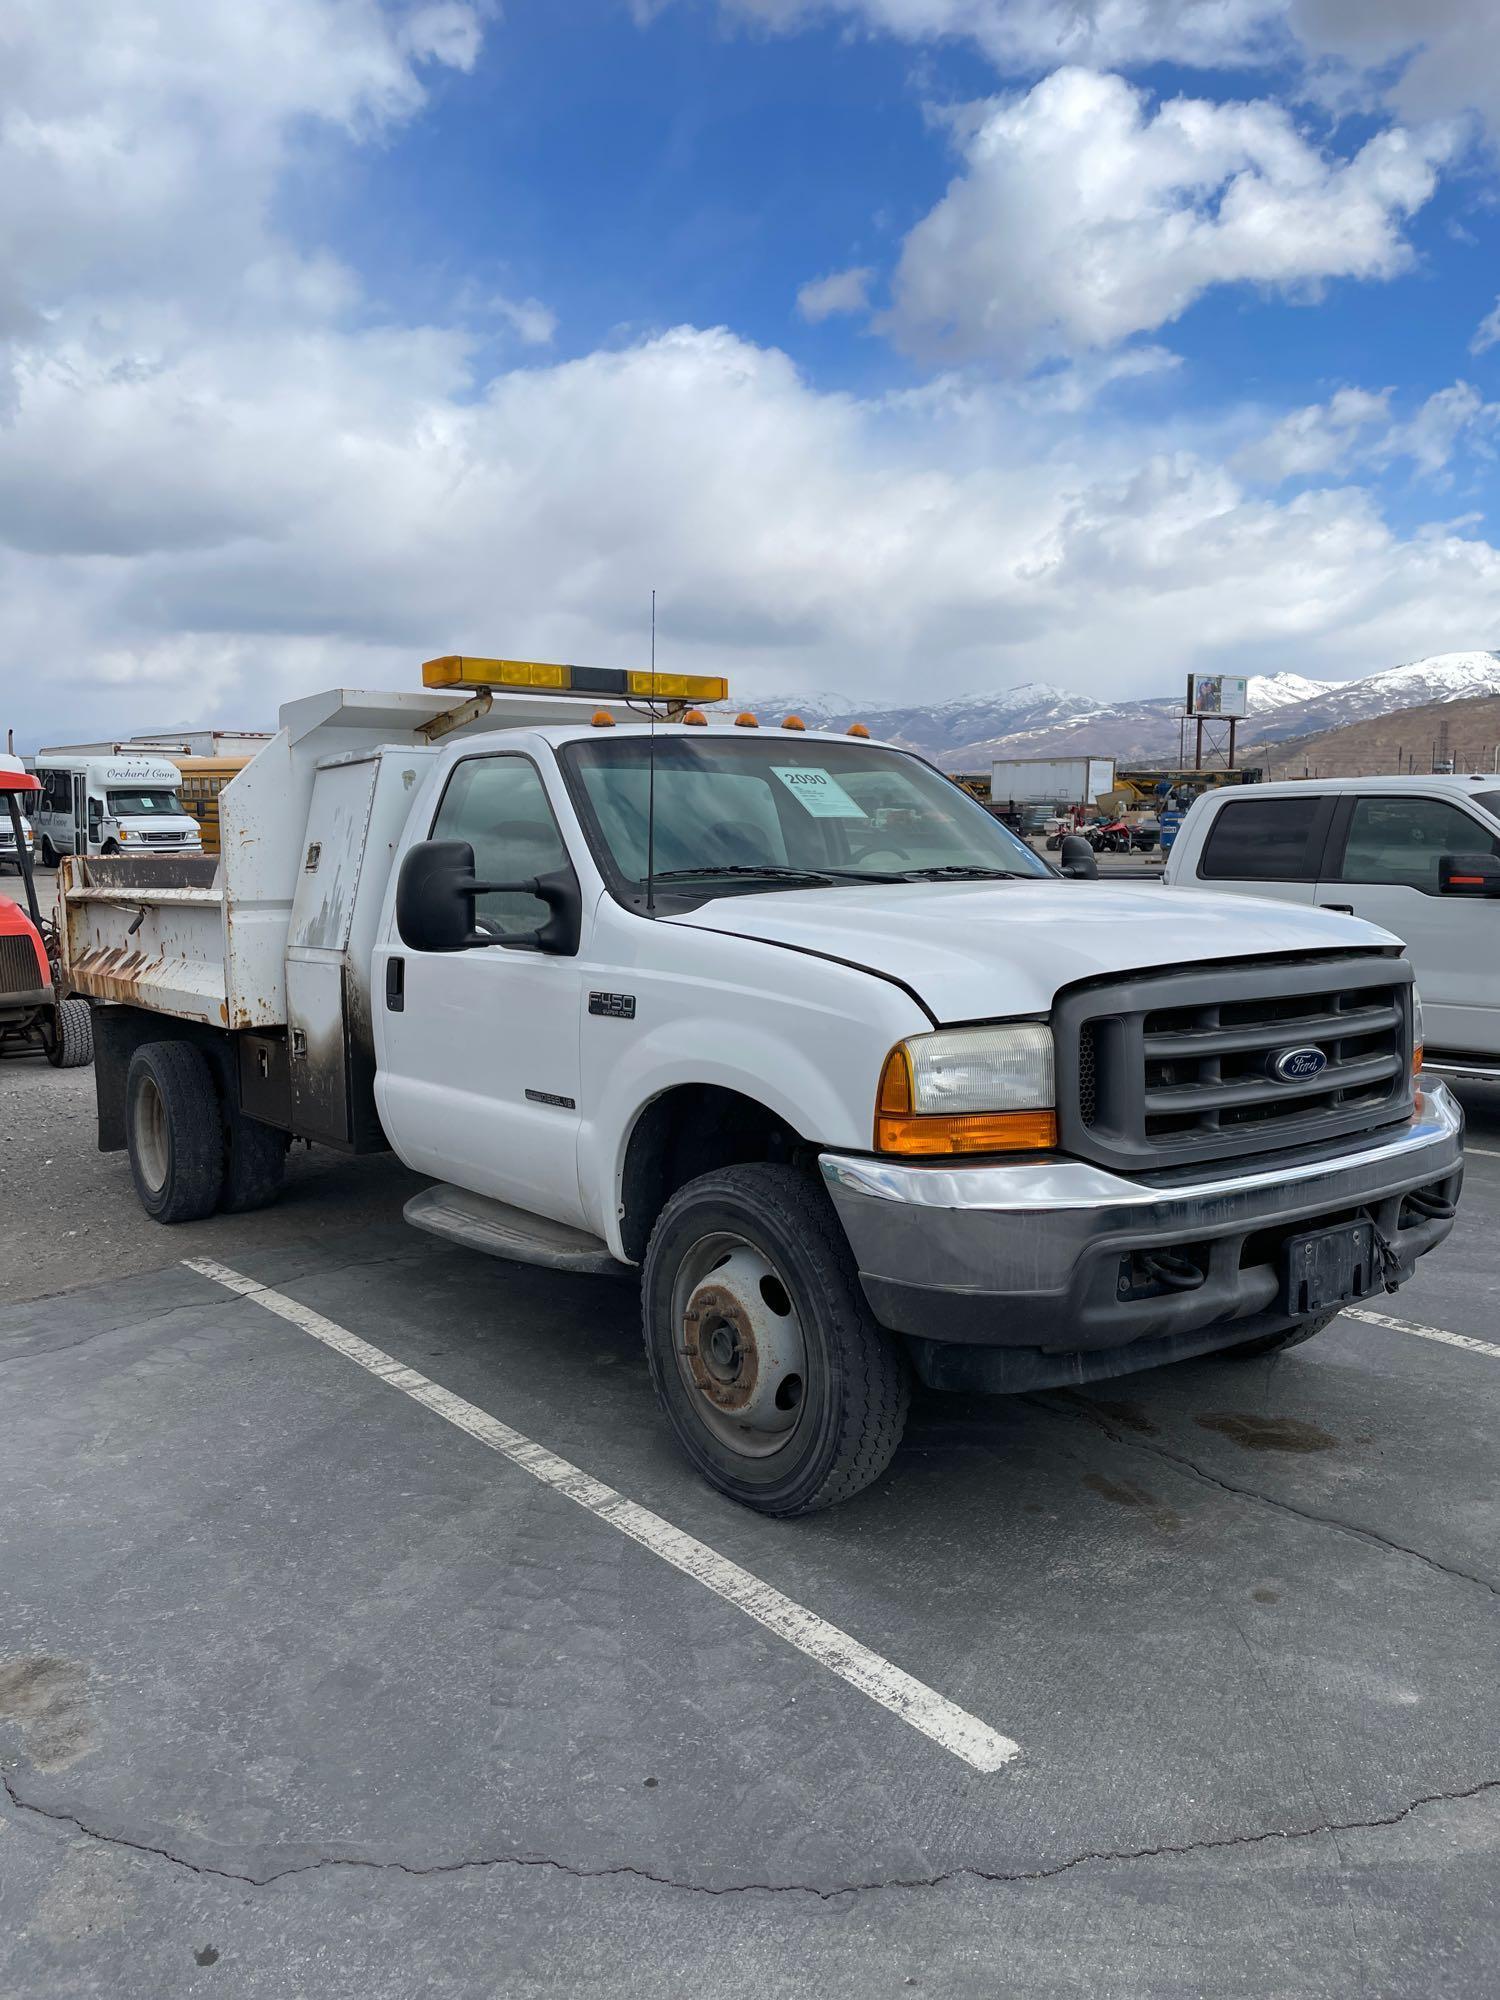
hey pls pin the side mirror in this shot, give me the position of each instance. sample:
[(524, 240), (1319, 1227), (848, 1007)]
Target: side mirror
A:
[(435, 894), (1077, 858), (1468, 875)]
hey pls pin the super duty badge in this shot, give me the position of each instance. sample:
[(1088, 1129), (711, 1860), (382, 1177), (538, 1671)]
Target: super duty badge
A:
[(614, 1006)]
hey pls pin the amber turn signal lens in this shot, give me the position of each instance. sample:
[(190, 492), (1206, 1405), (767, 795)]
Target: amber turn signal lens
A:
[(894, 1094), (940, 1133)]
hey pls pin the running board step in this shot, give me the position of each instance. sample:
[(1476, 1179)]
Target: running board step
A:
[(501, 1231)]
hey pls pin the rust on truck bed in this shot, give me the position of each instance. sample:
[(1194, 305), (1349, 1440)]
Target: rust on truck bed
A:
[(123, 938)]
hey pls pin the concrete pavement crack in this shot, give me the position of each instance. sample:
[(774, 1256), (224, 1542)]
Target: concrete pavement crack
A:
[(1003, 1877), (1082, 1412)]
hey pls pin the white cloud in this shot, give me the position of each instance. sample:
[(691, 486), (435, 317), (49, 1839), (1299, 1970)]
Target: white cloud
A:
[(1083, 216), (141, 140), (1487, 333), (221, 484), (203, 540), (1427, 58), (1355, 428), (840, 292), (532, 323), (1029, 34), (1322, 437)]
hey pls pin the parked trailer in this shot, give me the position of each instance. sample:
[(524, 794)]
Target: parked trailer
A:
[(858, 1082), (1051, 781)]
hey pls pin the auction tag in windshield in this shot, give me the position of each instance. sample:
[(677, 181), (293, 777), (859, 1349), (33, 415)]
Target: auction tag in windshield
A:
[(817, 793)]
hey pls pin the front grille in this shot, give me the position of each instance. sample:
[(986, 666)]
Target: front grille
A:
[(20, 971), (1177, 1067), (161, 839)]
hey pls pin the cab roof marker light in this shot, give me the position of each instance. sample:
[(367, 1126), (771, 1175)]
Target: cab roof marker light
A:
[(745, 720), (696, 719), (792, 722), (857, 729), (602, 719)]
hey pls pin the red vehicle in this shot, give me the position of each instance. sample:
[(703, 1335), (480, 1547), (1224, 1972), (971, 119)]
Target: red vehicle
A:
[(33, 1011)]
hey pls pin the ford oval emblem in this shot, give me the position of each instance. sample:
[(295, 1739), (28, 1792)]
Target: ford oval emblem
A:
[(1294, 1065)]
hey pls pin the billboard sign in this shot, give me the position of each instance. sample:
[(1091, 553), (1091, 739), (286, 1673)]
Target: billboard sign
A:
[(1217, 694)]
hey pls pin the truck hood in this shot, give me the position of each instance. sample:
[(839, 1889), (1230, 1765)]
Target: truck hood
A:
[(974, 950)]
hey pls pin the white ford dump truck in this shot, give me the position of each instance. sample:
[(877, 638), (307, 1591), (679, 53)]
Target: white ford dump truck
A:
[(859, 1084)]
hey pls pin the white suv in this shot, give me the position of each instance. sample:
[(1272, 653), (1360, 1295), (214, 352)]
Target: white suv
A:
[(1419, 856)]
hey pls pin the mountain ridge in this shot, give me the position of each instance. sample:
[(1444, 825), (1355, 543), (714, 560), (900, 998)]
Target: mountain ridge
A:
[(1039, 719)]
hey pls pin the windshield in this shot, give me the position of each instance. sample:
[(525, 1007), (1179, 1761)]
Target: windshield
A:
[(141, 805), (745, 812)]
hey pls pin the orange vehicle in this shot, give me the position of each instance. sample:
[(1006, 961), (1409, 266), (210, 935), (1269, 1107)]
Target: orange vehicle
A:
[(35, 1013), (203, 778)]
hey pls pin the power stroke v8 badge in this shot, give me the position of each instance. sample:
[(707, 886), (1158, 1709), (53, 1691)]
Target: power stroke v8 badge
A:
[(614, 1006)]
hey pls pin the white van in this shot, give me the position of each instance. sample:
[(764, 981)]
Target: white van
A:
[(1420, 856), (126, 803)]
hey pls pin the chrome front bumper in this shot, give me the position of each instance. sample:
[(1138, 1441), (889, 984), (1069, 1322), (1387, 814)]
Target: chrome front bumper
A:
[(1036, 1255)]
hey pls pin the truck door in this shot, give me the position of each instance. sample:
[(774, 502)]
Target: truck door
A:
[(1383, 865), (1265, 844), (88, 815), (478, 1073)]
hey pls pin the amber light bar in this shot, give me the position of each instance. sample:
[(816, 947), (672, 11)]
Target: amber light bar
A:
[(462, 670)]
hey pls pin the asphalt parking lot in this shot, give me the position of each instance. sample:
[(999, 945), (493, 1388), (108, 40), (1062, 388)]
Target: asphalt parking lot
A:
[(314, 1679)]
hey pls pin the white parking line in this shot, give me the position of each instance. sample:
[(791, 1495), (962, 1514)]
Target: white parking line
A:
[(1463, 1340), (1484, 1152), (939, 1719)]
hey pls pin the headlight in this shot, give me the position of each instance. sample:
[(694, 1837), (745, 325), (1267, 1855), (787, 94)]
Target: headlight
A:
[(968, 1090), (1417, 1033)]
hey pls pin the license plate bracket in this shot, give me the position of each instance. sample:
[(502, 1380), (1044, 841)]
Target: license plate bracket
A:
[(1329, 1267)]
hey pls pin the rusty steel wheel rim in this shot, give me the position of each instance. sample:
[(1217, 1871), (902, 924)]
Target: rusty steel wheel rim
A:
[(738, 1343)]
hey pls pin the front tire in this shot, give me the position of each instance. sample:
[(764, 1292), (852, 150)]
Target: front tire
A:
[(69, 1042), (781, 1388), (1277, 1343), (174, 1132)]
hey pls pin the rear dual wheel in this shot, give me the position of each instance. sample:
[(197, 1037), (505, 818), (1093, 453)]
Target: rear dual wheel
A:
[(781, 1388), (191, 1152)]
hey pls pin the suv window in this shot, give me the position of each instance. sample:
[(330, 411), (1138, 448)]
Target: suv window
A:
[(1401, 840), (499, 805), (1265, 840)]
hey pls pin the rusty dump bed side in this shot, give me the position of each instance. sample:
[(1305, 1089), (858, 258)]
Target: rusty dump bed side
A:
[(146, 931)]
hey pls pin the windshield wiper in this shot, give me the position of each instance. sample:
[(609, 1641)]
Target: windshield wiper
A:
[(711, 869), (964, 872)]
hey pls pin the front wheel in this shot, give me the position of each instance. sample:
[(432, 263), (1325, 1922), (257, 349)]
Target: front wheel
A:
[(782, 1389)]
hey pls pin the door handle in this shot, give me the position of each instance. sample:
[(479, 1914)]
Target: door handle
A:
[(395, 985), (1344, 909)]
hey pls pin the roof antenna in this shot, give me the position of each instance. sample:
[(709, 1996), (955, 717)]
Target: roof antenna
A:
[(651, 777)]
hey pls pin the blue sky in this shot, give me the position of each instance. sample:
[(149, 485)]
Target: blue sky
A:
[(335, 332)]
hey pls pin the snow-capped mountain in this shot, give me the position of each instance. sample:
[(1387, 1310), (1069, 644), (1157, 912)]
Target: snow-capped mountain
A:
[(1037, 719)]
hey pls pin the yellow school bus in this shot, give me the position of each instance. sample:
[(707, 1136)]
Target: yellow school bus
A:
[(203, 778)]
